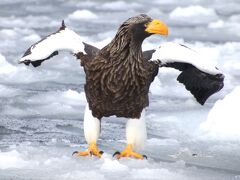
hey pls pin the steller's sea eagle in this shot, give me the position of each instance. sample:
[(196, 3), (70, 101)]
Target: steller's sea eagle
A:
[(119, 75)]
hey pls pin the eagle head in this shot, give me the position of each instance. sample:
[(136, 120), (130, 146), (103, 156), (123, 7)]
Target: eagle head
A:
[(142, 26)]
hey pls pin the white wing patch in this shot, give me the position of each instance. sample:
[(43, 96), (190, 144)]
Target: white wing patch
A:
[(172, 52), (62, 40)]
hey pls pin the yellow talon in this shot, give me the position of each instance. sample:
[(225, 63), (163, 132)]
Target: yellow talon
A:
[(92, 150), (128, 152)]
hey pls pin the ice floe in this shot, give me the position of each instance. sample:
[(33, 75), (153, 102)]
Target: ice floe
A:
[(193, 15), (82, 14), (223, 119)]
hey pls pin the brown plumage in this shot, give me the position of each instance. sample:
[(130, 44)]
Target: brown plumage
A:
[(117, 77)]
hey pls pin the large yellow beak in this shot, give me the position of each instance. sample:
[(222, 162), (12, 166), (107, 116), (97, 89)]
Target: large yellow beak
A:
[(157, 27)]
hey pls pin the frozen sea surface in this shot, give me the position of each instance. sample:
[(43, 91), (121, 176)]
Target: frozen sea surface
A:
[(41, 110)]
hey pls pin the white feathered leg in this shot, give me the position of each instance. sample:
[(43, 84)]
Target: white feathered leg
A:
[(91, 127), (136, 133)]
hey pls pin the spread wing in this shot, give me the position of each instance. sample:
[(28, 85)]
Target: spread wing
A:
[(62, 40), (198, 77)]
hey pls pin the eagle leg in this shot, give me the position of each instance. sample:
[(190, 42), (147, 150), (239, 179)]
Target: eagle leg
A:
[(92, 151), (128, 152), (91, 127)]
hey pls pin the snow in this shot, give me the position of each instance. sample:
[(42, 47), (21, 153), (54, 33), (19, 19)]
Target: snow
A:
[(32, 38), (223, 119), (42, 109), (5, 67), (69, 97), (55, 165), (11, 159), (216, 24), (193, 15), (28, 21), (64, 103), (8, 32), (7, 91), (119, 5), (82, 14), (113, 165)]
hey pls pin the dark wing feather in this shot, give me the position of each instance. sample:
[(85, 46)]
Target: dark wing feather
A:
[(39, 62), (147, 55), (201, 84), (90, 50)]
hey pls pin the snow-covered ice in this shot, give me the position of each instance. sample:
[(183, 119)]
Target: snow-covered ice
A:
[(82, 14), (223, 118), (41, 109), (193, 15)]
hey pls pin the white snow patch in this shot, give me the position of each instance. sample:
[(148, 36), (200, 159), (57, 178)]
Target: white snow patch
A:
[(77, 174), (161, 173), (5, 67), (12, 159), (169, 2), (52, 161), (22, 74), (28, 21), (113, 165), (230, 26), (9, 33), (155, 87), (32, 38), (216, 24), (74, 95), (193, 15), (235, 18), (165, 81), (52, 103), (181, 153), (224, 118), (63, 103), (69, 97), (155, 12), (7, 92), (82, 14), (162, 142), (119, 5), (101, 44)]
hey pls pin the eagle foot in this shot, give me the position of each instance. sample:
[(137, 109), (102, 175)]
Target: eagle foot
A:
[(128, 152), (92, 151)]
